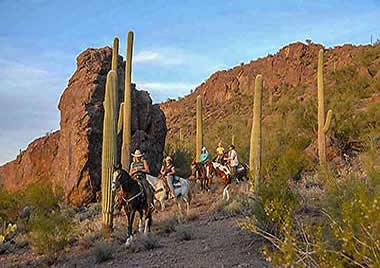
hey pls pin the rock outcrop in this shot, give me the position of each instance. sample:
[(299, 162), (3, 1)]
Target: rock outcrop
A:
[(71, 157)]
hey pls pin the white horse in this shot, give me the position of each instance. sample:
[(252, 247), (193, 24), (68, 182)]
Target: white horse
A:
[(181, 190)]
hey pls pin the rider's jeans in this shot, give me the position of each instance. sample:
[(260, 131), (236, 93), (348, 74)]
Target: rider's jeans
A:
[(169, 179)]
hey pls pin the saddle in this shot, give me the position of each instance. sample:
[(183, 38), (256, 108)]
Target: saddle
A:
[(176, 182)]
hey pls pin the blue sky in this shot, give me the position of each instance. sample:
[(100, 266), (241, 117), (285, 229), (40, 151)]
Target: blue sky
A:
[(178, 45)]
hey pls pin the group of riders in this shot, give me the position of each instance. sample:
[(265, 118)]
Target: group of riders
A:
[(139, 167)]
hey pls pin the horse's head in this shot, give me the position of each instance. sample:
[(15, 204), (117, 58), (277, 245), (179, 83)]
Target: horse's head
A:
[(117, 177)]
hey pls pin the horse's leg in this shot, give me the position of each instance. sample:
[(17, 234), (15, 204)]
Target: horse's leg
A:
[(148, 222), (141, 226), (227, 192)]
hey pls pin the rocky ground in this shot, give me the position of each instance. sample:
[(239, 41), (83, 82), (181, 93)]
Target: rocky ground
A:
[(207, 237)]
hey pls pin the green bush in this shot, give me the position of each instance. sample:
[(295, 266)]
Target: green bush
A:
[(49, 233)]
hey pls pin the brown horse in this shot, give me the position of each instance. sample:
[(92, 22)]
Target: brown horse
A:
[(224, 174), (200, 173), (135, 198)]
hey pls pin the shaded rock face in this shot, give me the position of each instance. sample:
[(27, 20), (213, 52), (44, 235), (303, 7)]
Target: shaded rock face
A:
[(75, 162)]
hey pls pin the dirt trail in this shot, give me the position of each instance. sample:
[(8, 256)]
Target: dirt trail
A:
[(213, 240)]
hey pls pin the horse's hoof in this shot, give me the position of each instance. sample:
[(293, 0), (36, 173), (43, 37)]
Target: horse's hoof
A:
[(129, 241)]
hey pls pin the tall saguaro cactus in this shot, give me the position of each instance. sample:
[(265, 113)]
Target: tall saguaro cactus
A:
[(115, 53), (199, 135), (126, 109), (323, 126), (109, 149), (256, 134)]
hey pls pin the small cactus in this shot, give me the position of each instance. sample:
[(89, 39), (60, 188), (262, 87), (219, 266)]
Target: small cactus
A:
[(323, 126), (256, 134), (199, 135)]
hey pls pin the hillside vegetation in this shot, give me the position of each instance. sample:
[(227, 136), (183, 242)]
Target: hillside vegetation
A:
[(310, 216)]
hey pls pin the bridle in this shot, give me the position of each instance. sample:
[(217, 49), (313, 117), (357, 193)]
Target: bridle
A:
[(122, 182)]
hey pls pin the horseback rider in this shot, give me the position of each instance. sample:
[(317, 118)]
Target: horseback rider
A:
[(168, 172), (138, 170), (233, 160), (219, 153), (205, 156)]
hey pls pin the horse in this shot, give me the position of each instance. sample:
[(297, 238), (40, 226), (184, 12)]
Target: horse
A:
[(181, 190), (242, 173), (225, 175), (200, 173), (134, 199)]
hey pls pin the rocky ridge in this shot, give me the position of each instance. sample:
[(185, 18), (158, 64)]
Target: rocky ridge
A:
[(71, 157)]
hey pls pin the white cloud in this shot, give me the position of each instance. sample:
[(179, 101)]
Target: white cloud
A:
[(164, 57)]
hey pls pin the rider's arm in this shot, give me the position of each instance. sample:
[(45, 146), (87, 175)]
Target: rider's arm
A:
[(172, 171), (146, 167), (162, 171)]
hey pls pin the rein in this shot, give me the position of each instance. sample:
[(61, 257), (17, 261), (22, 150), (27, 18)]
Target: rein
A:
[(133, 197)]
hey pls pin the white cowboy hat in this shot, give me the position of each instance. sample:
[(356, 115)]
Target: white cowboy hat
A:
[(137, 153), (168, 158)]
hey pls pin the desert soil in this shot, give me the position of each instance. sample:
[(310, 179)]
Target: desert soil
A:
[(216, 241)]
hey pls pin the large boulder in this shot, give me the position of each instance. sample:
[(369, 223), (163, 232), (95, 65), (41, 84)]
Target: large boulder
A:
[(71, 158)]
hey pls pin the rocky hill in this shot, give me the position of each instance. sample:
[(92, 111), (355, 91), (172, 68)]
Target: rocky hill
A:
[(71, 157), (289, 79)]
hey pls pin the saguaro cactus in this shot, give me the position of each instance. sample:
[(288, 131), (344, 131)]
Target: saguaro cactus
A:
[(115, 53), (125, 109), (256, 134), (199, 135), (323, 126), (109, 149)]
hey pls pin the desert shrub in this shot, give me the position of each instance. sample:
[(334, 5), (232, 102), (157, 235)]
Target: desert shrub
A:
[(168, 226), (344, 234), (49, 233), (184, 233), (102, 251), (10, 205), (42, 197), (144, 242)]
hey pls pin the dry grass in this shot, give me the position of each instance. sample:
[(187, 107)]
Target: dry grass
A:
[(143, 242), (102, 251)]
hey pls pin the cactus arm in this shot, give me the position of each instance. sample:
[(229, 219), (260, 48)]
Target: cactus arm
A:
[(121, 116), (328, 122), (115, 53), (127, 132)]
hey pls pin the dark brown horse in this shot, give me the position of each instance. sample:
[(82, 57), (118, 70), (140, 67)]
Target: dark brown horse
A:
[(224, 174), (200, 173), (135, 197)]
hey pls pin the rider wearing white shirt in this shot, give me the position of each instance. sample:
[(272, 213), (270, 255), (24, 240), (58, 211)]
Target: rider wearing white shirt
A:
[(233, 159)]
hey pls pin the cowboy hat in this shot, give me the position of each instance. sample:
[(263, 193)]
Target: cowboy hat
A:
[(137, 153), (168, 158)]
